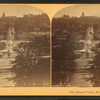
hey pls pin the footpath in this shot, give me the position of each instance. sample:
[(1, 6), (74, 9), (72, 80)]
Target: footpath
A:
[(81, 74)]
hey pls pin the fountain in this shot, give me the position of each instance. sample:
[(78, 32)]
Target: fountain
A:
[(88, 40), (10, 37), (9, 42)]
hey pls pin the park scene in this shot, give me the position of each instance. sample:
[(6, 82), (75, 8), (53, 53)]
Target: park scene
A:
[(24, 47), (76, 47)]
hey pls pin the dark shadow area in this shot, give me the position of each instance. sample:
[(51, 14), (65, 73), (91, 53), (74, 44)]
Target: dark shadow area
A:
[(50, 98), (51, 1)]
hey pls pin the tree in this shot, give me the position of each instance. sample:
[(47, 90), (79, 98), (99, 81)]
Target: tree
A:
[(63, 60), (75, 24), (95, 67), (26, 68)]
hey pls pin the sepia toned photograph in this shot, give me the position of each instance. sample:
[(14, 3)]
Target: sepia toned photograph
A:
[(24, 47), (76, 46)]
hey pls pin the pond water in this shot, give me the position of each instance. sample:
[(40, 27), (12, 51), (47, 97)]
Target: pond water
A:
[(5, 73), (4, 79)]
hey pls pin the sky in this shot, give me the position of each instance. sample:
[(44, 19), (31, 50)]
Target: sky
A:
[(18, 10), (76, 10)]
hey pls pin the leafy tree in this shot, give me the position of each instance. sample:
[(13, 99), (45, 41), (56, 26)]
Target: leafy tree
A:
[(2, 45), (26, 68), (63, 60), (75, 25), (95, 67)]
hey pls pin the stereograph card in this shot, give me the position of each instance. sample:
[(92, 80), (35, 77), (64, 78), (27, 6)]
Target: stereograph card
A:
[(50, 49)]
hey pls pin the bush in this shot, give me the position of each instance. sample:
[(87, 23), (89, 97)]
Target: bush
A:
[(25, 66), (63, 61), (2, 45), (95, 67)]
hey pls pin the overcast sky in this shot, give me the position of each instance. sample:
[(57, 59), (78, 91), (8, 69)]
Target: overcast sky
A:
[(88, 9), (19, 10)]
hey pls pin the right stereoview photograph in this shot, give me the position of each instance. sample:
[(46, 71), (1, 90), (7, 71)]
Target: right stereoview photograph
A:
[(76, 46)]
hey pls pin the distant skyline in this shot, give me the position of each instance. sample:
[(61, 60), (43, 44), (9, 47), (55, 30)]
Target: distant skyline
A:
[(76, 10), (19, 10)]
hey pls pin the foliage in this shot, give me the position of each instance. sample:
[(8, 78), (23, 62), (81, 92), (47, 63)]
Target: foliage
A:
[(26, 68), (75, 25), (2, 45), (25, 23), (63, 60), (95, 67)]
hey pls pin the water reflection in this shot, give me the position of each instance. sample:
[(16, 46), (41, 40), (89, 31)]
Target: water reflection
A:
[(41, 78), (4, 78)]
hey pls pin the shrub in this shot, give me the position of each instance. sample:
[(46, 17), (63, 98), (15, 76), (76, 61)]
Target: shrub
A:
[(2, 45), (63, 61), (95, 67), (25, 66)]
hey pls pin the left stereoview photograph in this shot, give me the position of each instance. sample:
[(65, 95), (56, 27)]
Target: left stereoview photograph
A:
[(24, 47)]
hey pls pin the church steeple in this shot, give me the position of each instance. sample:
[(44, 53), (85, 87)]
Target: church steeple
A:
[(83, 14), (3, 15)]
